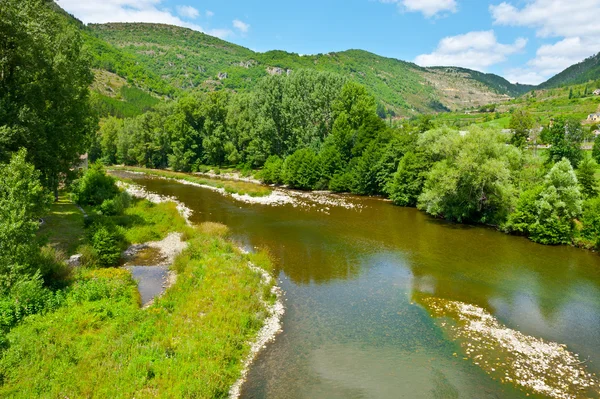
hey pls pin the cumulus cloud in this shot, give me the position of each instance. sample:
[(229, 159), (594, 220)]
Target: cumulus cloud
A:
[(428, 8), (131, 11), (475, 50), (575, 24), (187, 12), (241, 26)]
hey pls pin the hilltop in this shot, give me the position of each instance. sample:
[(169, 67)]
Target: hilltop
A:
[(185, 60)]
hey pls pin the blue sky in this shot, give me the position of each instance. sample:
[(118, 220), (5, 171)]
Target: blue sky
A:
[(523, 40)]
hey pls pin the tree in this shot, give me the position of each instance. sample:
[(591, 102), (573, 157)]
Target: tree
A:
[(301, 169), (586, 175), (521, 124), (44, 88), (546, 213), (565, 137), (22, 202), (474, 182), (407, 183), (596, 149)]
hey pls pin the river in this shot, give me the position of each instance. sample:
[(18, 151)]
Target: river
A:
[(364, 284)]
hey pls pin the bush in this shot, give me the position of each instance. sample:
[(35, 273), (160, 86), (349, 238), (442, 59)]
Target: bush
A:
[(28, 296), (301, 169), (94, 187), (341, 182), (271, 172), (106, 242), (52, 266), (590, 220), (407, 183), (117, 205)]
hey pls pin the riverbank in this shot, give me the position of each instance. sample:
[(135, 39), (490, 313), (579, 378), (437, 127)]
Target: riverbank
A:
[(194, 340), (227, 183), (324, 200)]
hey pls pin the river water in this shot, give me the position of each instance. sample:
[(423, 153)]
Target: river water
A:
[(359, 281)]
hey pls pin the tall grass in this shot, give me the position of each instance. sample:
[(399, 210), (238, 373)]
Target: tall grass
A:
[(100, 344)]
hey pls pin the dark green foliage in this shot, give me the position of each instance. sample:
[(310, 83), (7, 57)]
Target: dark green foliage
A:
[(44, 91), (407, 183), (272, 170), (586, 175), (588, 69), (107, 244), (596, 149), (94, 187), (115, 206), (301, 169), (565, 136)]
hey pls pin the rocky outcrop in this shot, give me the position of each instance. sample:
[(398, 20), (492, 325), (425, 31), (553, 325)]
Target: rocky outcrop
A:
[(222, 75)]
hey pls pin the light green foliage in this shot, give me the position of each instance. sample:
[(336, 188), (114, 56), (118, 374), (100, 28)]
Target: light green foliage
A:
[(44, 92), (106, 243), (546, 213), (520, 123), (473, 183), (590, 220), (190, 343), (94, 187), (586, 175), (22, 202), (565, 137)]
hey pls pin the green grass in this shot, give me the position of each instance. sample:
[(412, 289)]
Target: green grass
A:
[(146, 221), (230, 186), (63, 227), (100, 344)]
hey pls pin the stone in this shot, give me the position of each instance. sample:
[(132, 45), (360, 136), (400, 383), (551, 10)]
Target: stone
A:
[(75, 260)]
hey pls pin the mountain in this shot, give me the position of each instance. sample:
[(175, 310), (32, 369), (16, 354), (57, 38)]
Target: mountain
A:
[(183, 59), (588, 69)]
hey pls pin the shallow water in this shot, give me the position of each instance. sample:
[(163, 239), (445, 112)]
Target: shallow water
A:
[(151, 280), (355, 323)]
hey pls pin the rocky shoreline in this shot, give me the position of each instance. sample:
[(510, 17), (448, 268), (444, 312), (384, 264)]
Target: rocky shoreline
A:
[(272, 324)]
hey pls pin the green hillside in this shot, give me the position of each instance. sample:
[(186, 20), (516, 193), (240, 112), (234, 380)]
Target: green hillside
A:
[(188, 60), (585, 71)]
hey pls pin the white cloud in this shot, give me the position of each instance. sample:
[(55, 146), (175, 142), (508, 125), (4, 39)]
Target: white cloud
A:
[(130, 11), (241, 26), (475, 50), (188, 12), (209, 14), (574, 23), (428, 8)]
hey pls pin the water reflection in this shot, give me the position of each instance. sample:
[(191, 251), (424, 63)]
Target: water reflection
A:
[(352, 280)]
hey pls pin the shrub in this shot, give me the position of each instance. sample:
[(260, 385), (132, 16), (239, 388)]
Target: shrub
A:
[(271, 172), (590, 220), (116, 206), (94, 187), (106, 242), (52, 266), (341, 182), (301, 169)]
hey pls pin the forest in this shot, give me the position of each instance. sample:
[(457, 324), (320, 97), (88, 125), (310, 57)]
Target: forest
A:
[(317, 131)]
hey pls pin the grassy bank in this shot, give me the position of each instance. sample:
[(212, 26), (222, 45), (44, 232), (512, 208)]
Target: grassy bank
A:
[(63, 226), (230, 186), (190, 343)]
